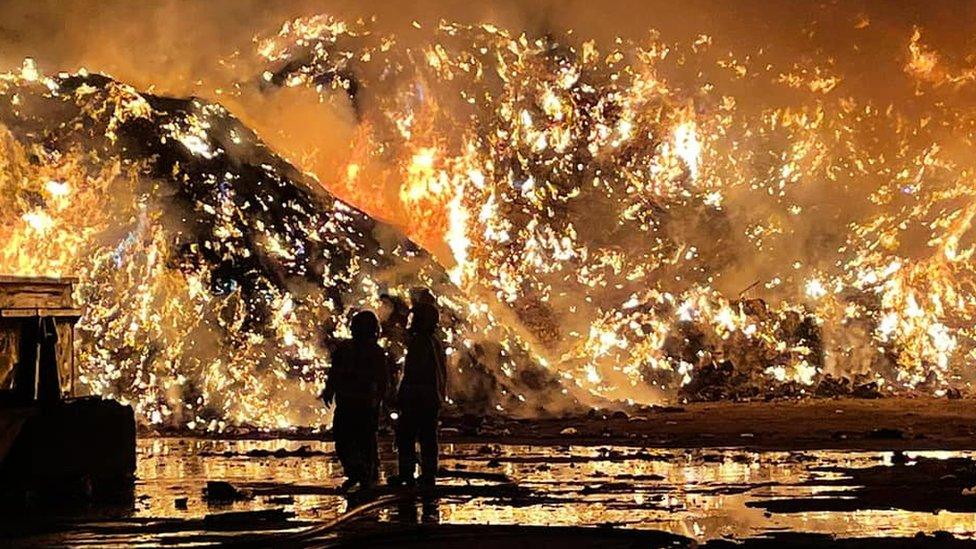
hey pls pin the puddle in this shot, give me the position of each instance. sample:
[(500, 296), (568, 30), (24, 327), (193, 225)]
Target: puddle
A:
[(702, 493)]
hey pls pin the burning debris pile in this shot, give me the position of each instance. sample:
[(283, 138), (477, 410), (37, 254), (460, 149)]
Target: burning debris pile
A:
[(616, 202), (214, 277)]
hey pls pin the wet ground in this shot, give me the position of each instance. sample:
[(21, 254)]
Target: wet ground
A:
[(287, 493)]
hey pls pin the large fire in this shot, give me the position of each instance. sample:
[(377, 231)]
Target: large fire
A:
[(213, 279), (616, 212), (622, 227)]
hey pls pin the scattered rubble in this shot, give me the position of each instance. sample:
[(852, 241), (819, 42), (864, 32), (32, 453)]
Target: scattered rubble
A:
[(247, 517), (218, 491), (886, 434), (301, 452)]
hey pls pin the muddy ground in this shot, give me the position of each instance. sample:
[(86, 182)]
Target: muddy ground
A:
[(922, 423), (864, 424)]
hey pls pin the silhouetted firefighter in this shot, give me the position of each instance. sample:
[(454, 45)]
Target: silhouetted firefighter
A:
[(358, 382), (421, 393)]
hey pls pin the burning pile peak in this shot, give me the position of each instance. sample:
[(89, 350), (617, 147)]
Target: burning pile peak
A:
[(214, 277)]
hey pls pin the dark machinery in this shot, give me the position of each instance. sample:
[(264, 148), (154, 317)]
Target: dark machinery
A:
[(52, 442)]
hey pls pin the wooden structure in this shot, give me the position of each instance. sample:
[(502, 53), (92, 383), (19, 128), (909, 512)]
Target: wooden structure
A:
[(31, 304)]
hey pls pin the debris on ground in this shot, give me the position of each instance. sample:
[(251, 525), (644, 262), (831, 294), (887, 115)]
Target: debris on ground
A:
[(246, 517), (218, 491), (886, 434), (281, 500), (302, 451)]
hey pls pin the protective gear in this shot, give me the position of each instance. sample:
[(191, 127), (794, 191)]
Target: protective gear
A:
[(422, 391), (426, 361), (358, 383)]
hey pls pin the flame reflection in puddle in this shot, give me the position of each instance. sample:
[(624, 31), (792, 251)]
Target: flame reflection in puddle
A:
[(701, 494)]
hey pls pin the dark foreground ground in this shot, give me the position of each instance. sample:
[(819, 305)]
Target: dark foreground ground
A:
[(532, 537), (828, 473), (857, 424)]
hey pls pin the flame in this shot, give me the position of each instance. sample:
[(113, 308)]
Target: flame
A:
[(687, 146), (168, 328), (922, 61), (622, 224)]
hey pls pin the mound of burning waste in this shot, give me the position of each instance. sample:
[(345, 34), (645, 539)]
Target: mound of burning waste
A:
[(214, 277), (620, 200)]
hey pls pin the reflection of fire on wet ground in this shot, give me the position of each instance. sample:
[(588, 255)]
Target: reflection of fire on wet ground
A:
[(702, 494)]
